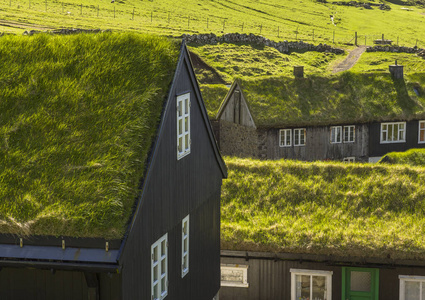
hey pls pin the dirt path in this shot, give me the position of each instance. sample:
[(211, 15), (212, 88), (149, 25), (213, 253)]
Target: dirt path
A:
[(350, 60)]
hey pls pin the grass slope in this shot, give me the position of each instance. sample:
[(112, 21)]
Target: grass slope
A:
[(346, 97), (290, 20), (78, 115), (324, 208), (412, 157)]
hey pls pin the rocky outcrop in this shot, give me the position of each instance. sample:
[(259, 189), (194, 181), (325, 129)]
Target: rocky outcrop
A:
[(283, 47)]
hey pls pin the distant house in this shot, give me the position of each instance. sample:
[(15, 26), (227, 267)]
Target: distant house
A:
[(110, 177), (322, 230), (348, 117)]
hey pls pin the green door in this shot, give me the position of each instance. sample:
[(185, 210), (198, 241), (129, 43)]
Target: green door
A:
[(360, 284)]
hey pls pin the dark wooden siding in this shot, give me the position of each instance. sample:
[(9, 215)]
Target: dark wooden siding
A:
[(317, 145), (176, 188), (378, 149), (271, 279), (37, 284)]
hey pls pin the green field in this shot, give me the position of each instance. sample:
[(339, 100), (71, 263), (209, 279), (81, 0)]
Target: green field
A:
[(290, 19)]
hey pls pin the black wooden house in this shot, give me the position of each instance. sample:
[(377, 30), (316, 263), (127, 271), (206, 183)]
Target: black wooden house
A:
[(348, 117), (150, 227)]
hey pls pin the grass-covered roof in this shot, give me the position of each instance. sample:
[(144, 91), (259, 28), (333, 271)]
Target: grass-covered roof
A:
[(344, 98), (324, 208), (78, 115)]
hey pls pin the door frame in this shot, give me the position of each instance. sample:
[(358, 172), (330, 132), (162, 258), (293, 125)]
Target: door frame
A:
[(375, 280)]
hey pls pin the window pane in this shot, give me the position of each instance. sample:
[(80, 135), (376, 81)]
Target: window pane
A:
[(163, 245), (333, 135), (422, 125), (186, 124), (155, 254), (155, 273), (179, 109), (319, 287), (163, 285), (155, 291), (411, 290), (296, 137), (180, 126), (185, 262), (338, 137), (186, 141), (186, 105), (163, 267), (302, 283), (390, 132), (360, 281), (422, 136), (302, 137)]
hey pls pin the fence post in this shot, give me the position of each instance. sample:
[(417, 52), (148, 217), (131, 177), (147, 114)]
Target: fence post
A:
[(261, 28), (296, 34), (46, 5), (416, 43), (168, 17), (188, 22), (81, 12), (224, 23), (365, 40), (277, 31), (98, 10), (62, 7), (132, 17), (313, 35), (114, 11), (333, 37), (151, 16), (207, 22), (355, 38), (242, 26), (397, 41)]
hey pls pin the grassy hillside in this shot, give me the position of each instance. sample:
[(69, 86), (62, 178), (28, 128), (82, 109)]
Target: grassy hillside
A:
[(412, 157), (78, 115), (291, 19), (324, 208)]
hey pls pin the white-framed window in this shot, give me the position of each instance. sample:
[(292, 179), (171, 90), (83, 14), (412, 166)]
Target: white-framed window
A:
[(234, 275), (393, 132), (311, 284), (299, 137), (421, 137), (159, 268), (336, 134), (285, 137), (185, 246), (183, 125), (412, 287), (349, 134), (349, 159)]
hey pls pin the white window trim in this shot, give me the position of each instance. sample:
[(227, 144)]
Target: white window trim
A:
[(336, 140), (327, 274), (392, 124), (185, 131), (354, 134), (158, 264), (304, 133), (286, 131), (404, 278), (349, 159), (237, 268), (185, 237), (419, 132)]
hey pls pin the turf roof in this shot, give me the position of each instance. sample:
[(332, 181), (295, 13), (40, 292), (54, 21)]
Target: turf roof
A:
[(343, 98), (324, 208), (78, 115)]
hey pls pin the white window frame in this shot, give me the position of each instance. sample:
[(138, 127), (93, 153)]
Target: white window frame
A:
[(384, 130), (404, 278), (298, 132), (286, 133), (334, 136), (419, 132), (158, 264), (349, 159), (311, 273), (348, 136), (185, 242), (183, 125), (241, 269)]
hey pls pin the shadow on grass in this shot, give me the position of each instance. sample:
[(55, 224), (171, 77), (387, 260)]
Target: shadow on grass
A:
[(406, 103)]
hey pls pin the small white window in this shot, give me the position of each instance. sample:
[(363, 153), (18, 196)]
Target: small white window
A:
[(285, 137), (350, 159), (393, 132), (336, 134), (185, 246), (421, 138), (412, 287), (299, 137), (183, 125), (234, 275), (311, 284), (159, 268), (349, 134)]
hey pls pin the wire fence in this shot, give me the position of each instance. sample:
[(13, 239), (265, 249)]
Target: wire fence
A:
[(178, 23)]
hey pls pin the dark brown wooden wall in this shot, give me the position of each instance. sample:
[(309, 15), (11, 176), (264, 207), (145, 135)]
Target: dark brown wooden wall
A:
[(38, 284), (378, 149), (174, 189)]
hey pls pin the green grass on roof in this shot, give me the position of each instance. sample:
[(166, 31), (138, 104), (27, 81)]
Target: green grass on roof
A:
[(412, 157), (213, 95), (344, 98), (78, 115), (324, 208)]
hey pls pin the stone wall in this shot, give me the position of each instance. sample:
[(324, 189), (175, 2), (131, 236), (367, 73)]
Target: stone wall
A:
[(237, 140), (283, 47), (396, 49)]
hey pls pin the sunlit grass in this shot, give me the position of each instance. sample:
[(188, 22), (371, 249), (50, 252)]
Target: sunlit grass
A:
[(324, 208), (78, 115)]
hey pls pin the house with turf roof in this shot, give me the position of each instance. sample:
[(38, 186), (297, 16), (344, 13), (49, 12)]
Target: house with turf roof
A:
[(346, 117), (322, 230), (110, 178)]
